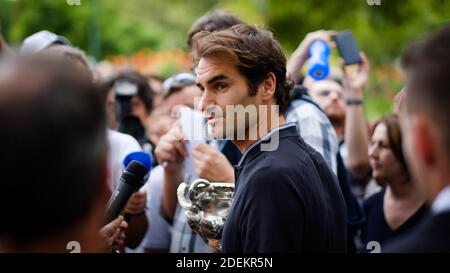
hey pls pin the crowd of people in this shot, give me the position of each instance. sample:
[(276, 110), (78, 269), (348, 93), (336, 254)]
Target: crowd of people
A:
[(331, 181)]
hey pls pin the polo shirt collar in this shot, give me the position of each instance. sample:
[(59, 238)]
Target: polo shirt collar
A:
[(252, 151)]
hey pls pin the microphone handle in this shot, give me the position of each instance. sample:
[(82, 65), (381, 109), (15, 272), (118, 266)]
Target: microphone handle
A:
[(118, 201)]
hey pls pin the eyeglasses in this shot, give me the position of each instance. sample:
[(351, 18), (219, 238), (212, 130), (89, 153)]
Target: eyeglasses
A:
[(326, 93)]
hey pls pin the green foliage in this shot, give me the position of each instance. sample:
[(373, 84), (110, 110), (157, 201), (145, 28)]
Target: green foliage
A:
[(111, 27), (126, 26)]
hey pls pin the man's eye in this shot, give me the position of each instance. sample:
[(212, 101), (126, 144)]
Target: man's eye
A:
[(324, 93), (221, 86)]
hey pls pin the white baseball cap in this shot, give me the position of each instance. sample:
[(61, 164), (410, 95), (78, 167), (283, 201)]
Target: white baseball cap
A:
[(41, 40)]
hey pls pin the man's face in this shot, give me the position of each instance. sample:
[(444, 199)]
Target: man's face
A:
[(410, 149), (329, 95), (223, 85)]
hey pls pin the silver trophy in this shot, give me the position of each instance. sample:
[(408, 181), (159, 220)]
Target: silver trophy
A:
[(208, 207)]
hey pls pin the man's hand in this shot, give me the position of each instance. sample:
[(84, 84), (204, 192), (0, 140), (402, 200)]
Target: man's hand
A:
[(303, 48), (301, 54), (215, 245), (356, 133), (355, 83), (212, 165), (138, 202), (170, 150), (113, 234)]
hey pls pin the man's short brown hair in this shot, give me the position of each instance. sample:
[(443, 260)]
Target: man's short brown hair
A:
[(212, 21), (254, 52), (427, 62)]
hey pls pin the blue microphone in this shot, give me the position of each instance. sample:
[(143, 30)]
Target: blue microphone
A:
[(134, 176), (319, 67)]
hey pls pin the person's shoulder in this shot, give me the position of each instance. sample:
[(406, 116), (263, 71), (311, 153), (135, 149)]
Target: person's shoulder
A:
[(287, 154), (295, 147), (120, 137), (304, 109), (117, 139), (311, 120), (278, 169)]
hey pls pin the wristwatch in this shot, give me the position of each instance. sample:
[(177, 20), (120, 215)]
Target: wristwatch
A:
[(350, 102)]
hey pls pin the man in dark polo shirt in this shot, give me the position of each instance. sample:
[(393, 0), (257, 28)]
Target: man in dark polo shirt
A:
[(286, 198)]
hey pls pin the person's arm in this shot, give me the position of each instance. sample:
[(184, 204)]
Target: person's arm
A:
[(170, 152), (137, 219), (301, 55), (138, 226), (169, 199), (356, 132)]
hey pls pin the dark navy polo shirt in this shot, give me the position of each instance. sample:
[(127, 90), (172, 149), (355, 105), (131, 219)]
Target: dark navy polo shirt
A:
[(286, 200)]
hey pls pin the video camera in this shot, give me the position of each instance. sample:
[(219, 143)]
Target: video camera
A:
[(129, 124)]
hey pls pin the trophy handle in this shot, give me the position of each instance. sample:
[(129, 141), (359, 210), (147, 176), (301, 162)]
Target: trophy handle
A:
[(199, 188), (181, 192), (194, 191)]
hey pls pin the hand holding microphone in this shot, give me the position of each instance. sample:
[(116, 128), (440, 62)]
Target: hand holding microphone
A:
[(138, 165), (113, 234), (137, 203)]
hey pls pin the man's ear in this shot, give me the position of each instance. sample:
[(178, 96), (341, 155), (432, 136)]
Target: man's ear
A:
[(424, 140), (268, 86)]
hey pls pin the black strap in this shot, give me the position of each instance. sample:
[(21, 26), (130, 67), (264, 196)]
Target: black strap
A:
[(299, 92)]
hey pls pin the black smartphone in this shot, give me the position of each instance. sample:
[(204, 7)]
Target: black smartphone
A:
[(347, 47)]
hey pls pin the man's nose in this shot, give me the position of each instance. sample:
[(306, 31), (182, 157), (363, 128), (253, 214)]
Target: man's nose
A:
[(334, 95), (205, 101)]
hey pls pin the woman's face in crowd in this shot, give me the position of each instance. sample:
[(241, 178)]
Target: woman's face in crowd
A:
[(383, 162)]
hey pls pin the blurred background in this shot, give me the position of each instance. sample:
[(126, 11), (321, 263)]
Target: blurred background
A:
[(150, 35)]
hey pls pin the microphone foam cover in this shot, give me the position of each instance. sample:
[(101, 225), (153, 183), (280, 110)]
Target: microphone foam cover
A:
[(142, 157)]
